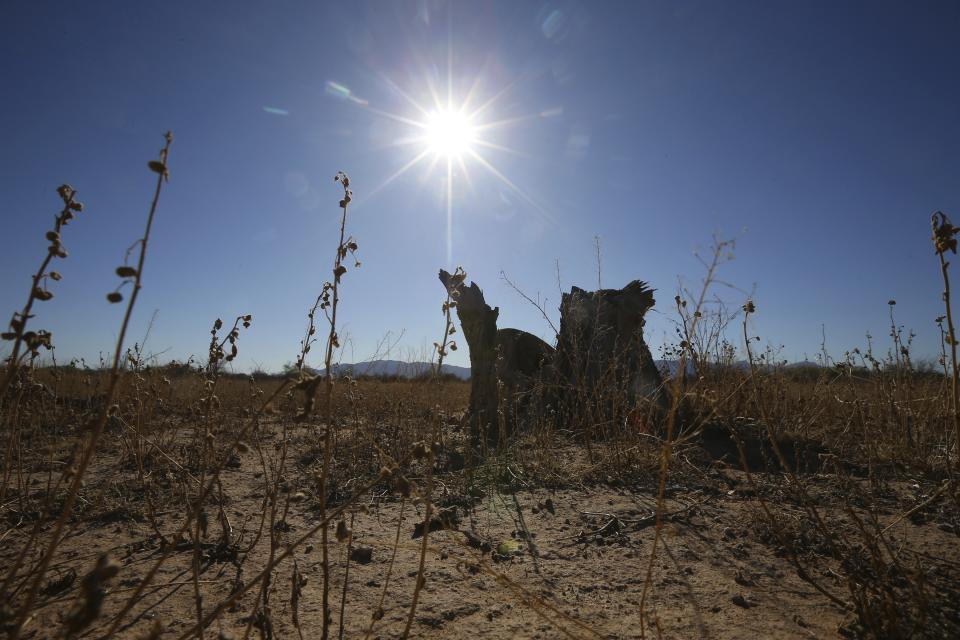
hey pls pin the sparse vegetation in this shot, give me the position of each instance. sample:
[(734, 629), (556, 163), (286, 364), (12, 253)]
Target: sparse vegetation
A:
[(179, 500)]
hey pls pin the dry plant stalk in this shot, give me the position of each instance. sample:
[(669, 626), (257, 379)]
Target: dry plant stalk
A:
[(328, 301), (721, 252), (427, 451), (944, 239), (129, 275), (92, 594), (17, 331)]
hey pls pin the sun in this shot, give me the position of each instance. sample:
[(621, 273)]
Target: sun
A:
[(454, 133), (449, 134)]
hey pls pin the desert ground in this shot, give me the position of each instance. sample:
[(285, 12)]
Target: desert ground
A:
[(548, 538)]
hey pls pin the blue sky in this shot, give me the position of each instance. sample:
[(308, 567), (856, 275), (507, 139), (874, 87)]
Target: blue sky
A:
[(820, 135)]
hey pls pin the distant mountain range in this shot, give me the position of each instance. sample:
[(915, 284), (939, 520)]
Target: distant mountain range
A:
[(397, 368), (389, 368)]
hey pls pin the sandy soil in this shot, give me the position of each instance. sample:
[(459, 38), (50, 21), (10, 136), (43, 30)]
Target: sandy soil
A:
[(534, 563)]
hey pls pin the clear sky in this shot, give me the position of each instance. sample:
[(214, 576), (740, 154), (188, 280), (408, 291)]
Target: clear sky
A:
[(821, 135)]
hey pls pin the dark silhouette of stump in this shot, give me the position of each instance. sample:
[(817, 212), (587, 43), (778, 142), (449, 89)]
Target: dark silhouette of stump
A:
[(601, 354), (523, 367), (479, 325), (601, 372), (505, 365)]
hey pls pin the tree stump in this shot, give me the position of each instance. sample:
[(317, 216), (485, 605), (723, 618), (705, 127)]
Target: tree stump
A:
[(601, 372), (479, 325), (602, 355)]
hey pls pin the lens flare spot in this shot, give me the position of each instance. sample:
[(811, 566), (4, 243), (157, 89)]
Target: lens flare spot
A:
[(342, 92), (553, 23)]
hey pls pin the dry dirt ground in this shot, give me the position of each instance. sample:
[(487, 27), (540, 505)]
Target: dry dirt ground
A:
[(521, 562)]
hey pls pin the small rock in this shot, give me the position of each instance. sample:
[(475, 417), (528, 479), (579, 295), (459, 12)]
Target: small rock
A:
[(740, 601), (444, 519), (362, 555), (477, 542)]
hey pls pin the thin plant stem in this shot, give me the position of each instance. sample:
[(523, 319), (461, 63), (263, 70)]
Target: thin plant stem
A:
[(458, 278), (91, 446), (941, 229)]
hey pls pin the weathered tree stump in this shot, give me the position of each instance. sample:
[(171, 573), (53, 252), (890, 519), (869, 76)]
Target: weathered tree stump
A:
[(504, 364), (523, 369), (599, 373), (479, 325), (602, 356)]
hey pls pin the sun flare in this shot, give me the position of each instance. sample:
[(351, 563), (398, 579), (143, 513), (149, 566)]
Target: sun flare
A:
[(449, 134), (453, 136)]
